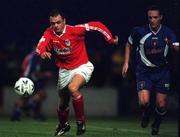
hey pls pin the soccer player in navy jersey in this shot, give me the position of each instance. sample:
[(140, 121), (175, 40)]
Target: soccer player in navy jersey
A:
[(75, 69), (151, 43), (32, 67)]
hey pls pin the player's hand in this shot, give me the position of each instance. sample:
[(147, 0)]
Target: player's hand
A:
[(171, 45), (116, 40), (168, 42), (125, 69), (46, 55)]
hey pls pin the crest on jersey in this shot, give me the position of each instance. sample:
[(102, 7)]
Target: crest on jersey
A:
[(141, 85), (154, 41), (67, 42)]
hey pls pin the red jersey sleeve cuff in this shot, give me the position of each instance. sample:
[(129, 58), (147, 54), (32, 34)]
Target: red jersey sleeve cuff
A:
[(111, 41)]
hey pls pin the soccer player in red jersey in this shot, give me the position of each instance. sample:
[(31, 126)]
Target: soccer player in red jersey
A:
[(68, 43)]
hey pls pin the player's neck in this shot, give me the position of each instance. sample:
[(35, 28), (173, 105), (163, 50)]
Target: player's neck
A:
[(155, 29), (58, 33)]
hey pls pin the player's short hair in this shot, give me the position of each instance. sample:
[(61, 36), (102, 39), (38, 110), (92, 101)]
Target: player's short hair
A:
[(155, 7), (56, 12)]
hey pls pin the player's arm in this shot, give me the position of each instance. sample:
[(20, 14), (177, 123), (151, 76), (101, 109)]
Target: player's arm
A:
[(43, 48), (171, 41), (126, 59), (128, 47), (173, 45), (100, 27)]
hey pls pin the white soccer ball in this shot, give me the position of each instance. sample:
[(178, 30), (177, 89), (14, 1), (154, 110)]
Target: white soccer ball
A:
[(24, 86)]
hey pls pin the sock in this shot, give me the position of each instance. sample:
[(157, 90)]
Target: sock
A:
[(37, 109), (78, 105), (160, 112), (16, 114), (17, 111), (63, 115), (146, 110)]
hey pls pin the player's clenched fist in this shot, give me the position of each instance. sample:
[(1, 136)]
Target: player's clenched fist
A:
[(116, 40), (45, 55)]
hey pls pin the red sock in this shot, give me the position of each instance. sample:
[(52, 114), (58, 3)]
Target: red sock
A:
[(63, 116), (78, 105)]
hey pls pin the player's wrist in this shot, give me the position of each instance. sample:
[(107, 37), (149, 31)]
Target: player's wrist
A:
[(126, 63)]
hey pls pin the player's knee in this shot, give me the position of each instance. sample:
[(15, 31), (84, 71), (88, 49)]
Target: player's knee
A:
[(143, 99), (72, 88), (63, 106), (161, 103), (144, 103), (19, 103), (39, 96), (42, 95)]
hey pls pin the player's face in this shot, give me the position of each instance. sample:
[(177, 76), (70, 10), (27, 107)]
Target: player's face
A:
[(154, 18), (57, 23)]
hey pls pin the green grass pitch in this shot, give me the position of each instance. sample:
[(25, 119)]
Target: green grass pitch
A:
[(96, 127)]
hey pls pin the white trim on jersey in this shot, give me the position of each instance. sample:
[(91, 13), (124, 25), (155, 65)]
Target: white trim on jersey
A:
[(141, 51), (64, 31), (100, 30), (176, 44), (27, 69), (156, 31), (130, 40), (88, 28), (166, 50)]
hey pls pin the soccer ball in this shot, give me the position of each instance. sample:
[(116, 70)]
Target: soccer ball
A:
[(24, 86)]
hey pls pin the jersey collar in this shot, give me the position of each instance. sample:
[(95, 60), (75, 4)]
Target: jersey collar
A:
[(154, 31), (64, 31)]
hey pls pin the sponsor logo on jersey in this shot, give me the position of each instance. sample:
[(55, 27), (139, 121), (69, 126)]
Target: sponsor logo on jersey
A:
[(63, 51), (56, 41), (154, 51)]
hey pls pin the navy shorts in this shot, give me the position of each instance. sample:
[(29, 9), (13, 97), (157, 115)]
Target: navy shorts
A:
[(157, 79)]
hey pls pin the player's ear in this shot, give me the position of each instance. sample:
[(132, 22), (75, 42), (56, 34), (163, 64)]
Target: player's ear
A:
[(64, 21), (161, 17)]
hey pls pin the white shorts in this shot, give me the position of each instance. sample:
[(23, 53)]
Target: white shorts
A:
[(66, 75)]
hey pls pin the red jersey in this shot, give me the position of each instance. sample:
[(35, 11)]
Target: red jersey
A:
[(70, 45)]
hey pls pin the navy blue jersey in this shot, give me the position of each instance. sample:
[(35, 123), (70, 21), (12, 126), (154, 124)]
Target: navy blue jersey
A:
[(31, 66), (151, 48)]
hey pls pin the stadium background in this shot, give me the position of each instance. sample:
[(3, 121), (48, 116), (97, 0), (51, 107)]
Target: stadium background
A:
[(23, 22)]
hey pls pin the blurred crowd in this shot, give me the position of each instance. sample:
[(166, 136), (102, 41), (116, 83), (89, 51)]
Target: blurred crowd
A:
[(27, 20), (108, 64)]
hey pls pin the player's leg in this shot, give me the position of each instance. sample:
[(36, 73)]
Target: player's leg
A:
[(78, 102), (144, 101), (37, 101), (162, 88), (1, 99), (63, 112), (81, 75), (160, 112), (17, 110), (144, 87)]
